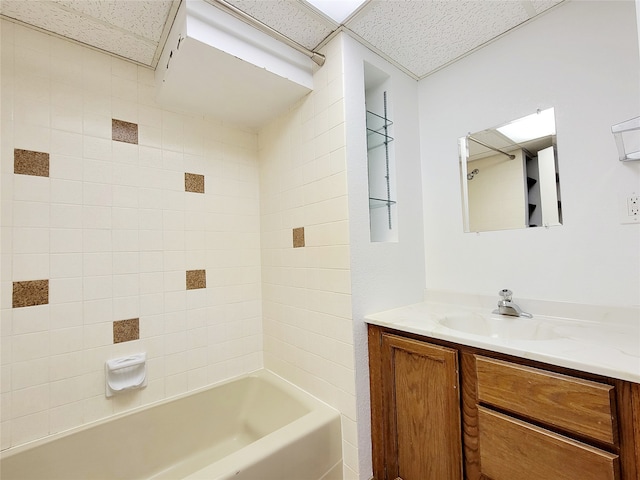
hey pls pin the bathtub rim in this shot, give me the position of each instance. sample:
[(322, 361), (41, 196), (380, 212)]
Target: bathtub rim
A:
[(308, 400)]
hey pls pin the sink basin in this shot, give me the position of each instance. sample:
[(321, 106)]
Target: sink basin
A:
[(499, 326)]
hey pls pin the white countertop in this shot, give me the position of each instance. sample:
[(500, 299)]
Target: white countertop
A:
[(608, 346)]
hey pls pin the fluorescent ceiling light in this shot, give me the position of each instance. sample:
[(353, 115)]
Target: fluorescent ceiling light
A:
[(337, 10), (533, 126)]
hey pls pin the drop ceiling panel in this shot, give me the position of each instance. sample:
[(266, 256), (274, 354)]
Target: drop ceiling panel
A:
[(291, 18), (423, 35), (129, 28)]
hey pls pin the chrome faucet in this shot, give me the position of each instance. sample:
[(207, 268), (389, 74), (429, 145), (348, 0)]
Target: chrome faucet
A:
[(507, 307)]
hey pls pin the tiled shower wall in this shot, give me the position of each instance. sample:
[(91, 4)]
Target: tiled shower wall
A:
[(308, 331), (125, 228)]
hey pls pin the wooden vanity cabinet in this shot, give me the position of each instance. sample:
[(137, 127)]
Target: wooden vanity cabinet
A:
[(416, 409), (446, 411)]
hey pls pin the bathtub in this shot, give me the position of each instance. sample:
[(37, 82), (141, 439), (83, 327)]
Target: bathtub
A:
[(256, 427)]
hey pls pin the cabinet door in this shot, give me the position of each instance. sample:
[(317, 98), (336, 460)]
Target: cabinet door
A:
[(422, 410)]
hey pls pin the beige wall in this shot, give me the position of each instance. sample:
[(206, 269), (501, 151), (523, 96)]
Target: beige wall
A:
[(113, 231), (497, 193), (307, 290)]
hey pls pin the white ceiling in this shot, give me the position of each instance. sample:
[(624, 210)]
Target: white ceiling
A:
[(419, 36)]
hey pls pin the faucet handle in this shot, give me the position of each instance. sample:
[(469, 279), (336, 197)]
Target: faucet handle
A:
[(506, 294)]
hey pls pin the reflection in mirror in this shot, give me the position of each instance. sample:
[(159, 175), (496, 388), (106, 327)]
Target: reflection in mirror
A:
[(509, 175)]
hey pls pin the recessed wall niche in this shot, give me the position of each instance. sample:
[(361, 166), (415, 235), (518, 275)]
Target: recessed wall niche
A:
[(381, 165)]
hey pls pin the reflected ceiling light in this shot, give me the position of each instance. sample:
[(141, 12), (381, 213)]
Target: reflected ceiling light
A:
[(537, 125), (337, 10)]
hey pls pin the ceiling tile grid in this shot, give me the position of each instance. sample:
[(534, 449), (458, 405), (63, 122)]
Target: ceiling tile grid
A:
[(420, 36), (289, 17), (423, 35), (144, 18), (131, 29)]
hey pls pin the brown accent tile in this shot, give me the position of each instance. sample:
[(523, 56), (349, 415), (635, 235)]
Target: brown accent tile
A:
[(193, 182), (196, 279), (30, 293), (126, 330), (28, 162), (122, 131), (298, 237)]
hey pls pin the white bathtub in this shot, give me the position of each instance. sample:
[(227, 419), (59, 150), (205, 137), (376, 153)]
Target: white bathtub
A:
[(256, 427)]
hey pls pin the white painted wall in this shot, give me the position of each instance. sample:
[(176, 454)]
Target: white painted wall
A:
[(581, 58), (383, 274)]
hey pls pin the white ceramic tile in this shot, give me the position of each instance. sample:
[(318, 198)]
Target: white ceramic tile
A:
[(67, 216), (97, 263), (125, 196), (150, 219), (65, 167), (150, 241), (66, 191), (96, 240), (126, 285), (30, 346), (97, 287), (151, 261), (30, 266), (30, 240), (95, 125), (66, 340), (97, 194), (97, 171), (28, 112), (98, 334), (125, 240), (66, 119), (124, 218), (69, 314), (151, 283), (29, 427), (65, 417), (125, 262), (66, 365), (96, 217), (124, 109), (30, 214), (67, 144), (97, 148), (151, 304), (30, 373), (63, 291), (96, 103), (174, 301), (66, 240), (173, 240), (35, 138), (126, 307), (30, 320)]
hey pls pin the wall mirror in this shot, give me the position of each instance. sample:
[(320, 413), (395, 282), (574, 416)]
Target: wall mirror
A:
[(509, 175)]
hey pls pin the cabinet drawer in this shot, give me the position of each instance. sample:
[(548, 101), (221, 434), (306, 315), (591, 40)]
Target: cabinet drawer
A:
[(575, 405), (514, 450)]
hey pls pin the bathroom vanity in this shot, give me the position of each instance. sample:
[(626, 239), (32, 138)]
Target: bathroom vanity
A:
[(447, 404)]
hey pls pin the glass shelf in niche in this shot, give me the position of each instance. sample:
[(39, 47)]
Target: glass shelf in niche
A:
[(376, 135), (380, 202)]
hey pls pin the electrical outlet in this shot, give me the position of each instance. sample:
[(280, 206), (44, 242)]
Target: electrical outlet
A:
[(630, 208)]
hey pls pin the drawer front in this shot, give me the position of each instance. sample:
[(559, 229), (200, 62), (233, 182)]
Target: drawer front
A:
[(573, 404), (514, 450)]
